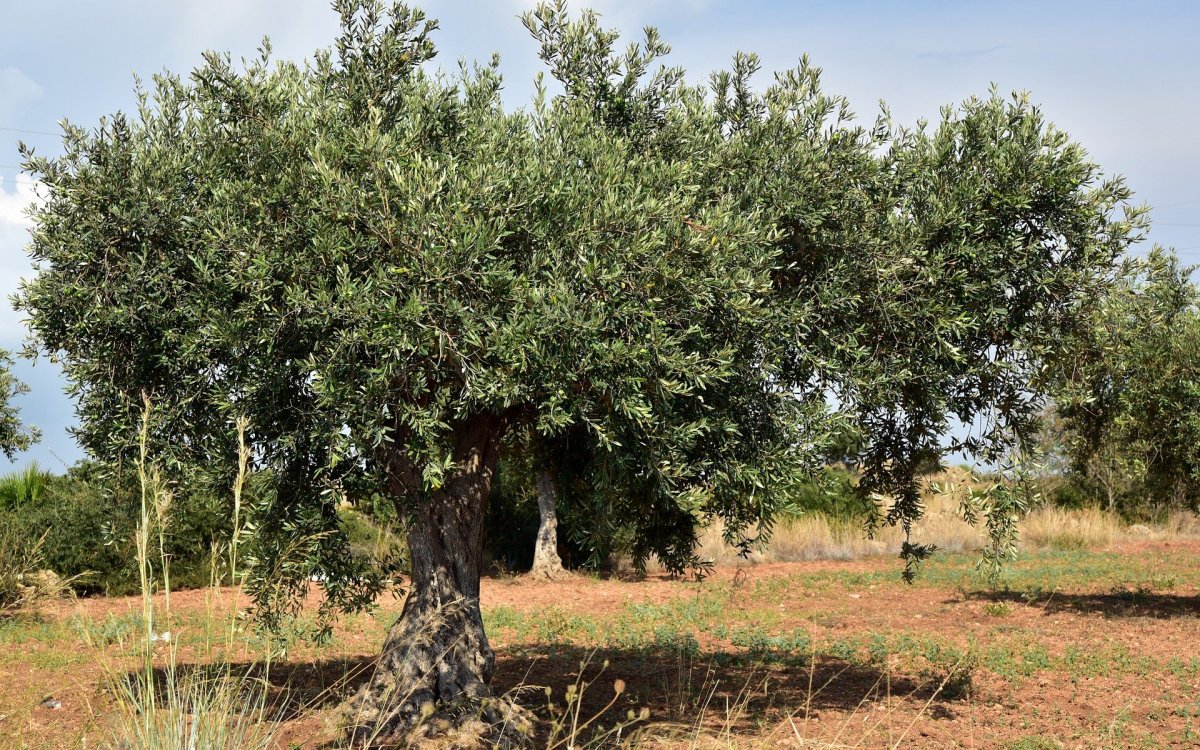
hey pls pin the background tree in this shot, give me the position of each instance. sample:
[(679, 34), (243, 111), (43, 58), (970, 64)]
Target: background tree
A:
[(546, 562), (1129, 393), (931, 272), (525, 498), (562, 457), (997, 236), (394, 280)]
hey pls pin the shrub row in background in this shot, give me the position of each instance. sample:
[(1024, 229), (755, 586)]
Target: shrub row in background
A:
[(89, 527)]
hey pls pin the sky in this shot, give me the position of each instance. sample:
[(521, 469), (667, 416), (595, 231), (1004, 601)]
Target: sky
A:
[(1122, 78)]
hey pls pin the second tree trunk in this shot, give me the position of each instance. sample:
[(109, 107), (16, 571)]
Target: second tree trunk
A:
[(546, 562)]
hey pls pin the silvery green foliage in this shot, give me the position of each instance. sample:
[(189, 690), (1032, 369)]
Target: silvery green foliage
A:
[(924, 277), (15, 436), (708, 283)]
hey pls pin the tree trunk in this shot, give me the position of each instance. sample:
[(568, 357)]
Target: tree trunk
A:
[(546, 562), (436, 667), (1109, 483)]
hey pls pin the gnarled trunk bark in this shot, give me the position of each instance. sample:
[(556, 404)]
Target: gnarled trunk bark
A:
[(546, 562), (436, 666)]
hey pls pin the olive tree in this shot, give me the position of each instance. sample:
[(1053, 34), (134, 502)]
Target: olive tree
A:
[(384, 273), (393, 280), (551, 456), (1128, 396)]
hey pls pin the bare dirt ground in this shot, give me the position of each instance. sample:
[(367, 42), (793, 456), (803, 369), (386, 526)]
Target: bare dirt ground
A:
[(1078, 649)]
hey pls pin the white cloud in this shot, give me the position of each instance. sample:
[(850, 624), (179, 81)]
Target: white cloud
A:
[(15, 198)]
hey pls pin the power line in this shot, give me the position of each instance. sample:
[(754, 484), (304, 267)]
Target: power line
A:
[(31, 132)]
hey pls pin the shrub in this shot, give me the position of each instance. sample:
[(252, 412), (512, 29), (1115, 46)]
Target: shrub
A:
[(73, 522), (832, 493), (89, 529), (1069, 492)]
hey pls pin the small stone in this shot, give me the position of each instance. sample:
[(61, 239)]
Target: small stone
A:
[(51, 702)]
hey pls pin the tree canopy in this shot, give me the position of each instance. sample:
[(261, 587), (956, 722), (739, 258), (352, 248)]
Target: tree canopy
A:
[(385, 272)]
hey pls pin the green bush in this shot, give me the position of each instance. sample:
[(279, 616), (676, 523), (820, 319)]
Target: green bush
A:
[(89, 530), (75, 520), (1069, 492)]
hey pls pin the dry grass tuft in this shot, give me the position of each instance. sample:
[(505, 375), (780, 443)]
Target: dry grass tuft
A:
[(23, 583), (160, 705), (1077, 529), (1179, 523)]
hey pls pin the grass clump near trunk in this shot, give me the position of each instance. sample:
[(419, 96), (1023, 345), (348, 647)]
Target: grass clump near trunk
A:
[(166, 706)]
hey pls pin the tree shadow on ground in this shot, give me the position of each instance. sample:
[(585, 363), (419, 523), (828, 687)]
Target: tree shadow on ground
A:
[(721, 691), (500, 574), (683, 692), (1120, 602), (293, 688)]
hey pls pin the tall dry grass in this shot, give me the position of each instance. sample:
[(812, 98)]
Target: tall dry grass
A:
[(820, 537), (161, 704), (1048, 527)]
